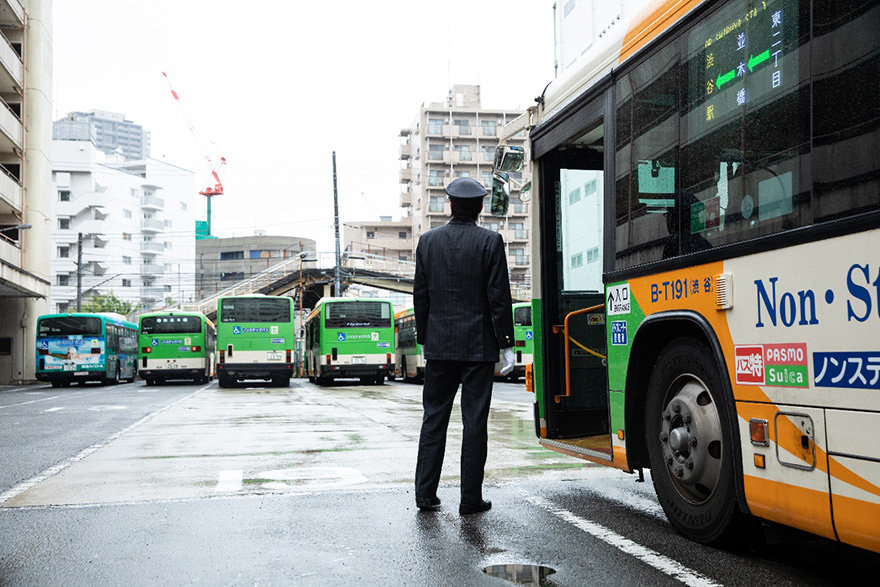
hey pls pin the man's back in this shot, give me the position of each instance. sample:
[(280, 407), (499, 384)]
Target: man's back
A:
[(462, 294)]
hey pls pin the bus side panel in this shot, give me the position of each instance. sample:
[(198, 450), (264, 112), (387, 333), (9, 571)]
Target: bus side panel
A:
[(538, 366)]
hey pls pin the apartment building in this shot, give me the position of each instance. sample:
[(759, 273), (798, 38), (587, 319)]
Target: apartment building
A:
[(110, 132), (385, 237), (457, 138), (134, 221), (25, 180)]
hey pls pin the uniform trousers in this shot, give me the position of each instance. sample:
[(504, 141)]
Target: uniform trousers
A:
[(442, 379)]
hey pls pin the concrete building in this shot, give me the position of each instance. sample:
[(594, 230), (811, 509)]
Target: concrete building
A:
[(25, 180), (386, 238), (223, 262), (137, 221), (109, 131), (457, 138)]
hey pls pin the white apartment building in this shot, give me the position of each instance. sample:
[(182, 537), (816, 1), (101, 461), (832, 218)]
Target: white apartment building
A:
[(137, 220), (457, 138)]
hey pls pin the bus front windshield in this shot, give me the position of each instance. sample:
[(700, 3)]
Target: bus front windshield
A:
[(69, 325), (170, 324), (255, 310), (358, 315)]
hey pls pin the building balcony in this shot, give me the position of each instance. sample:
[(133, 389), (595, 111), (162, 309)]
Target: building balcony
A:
[(468, 158), (11, 13), (152, 293), (10, 194), (406, 175), (152, 248), (152, 225), (11, 129), (468, 132), (518, 235), (406, 199), (152, 203), (152, 269), (437, 131), (11, 67), (406, 151), (519, 260)]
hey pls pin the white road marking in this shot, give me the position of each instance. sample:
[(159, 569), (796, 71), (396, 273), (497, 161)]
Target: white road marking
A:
[(106, 408), (650, 557), (33, 401), (57, 468), (54, 409), (229, 481)]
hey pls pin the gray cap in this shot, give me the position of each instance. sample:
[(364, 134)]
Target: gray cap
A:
[(465, 187)]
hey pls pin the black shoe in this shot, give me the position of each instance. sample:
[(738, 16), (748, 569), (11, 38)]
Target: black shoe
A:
[(428, 504), (466, 509)]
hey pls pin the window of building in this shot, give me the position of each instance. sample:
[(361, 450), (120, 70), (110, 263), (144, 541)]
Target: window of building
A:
[(232, 276), (577, 260), (371, 234), (436, 204), (126, 236), (464, 152), (437, 223), (63, 195), (126, 283), (435, 126), (489, 128), (134, 193), (402, 234), (168, 245), (183, 205), (126, 260), (167, 224), (487, 180), (166, 288), (63, 280), (63, 252), (574, 196), (264, 254), (63, 307), (435, 177), (230, 255), (488, 153), (435, 152), (126, 213), (464, 127), (64, 223), (462, 174)]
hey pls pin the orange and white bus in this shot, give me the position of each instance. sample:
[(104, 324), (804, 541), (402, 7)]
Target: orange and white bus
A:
[(706, 266)]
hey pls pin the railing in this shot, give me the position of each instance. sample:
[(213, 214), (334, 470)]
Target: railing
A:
[(10, 190), (10, 60), (10, 124)]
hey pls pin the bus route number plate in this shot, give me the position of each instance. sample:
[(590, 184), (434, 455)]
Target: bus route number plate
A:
[(358, 360), (274, 356)]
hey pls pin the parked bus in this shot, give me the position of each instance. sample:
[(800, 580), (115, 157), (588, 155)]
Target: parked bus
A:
[(522, 342), (409, 362), (350, 337), (255, 339), (176, 345), (85, 347), (706, 262)]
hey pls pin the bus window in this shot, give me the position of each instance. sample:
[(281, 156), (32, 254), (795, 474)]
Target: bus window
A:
[(522, 316), (67, 325), (267, 309), (358, 314), (170, 324)]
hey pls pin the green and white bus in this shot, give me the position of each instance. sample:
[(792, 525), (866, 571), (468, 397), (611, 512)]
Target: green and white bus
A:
[(409, 362), (350, 337), (176, 345), (522, 341), (85, 347), (256, 338)]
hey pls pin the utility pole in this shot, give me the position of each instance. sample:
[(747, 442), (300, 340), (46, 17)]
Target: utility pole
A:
[(338, 284), (79, 270)]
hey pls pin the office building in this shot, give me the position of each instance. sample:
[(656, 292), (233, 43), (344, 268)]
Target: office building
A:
[(110, 132), (25, 180)]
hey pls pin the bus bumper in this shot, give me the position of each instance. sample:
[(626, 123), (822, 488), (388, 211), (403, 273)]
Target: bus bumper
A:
[(165, 374), (66, 378), (259, 371), (371, 370)]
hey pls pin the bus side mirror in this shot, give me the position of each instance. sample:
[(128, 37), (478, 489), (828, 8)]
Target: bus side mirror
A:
[(500, 194), (509, 158)]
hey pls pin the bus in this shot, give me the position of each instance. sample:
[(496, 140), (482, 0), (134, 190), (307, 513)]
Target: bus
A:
[(84, 347), (522, 342), (350, 337), (176, 345), (409, 361), (705, 200), (256, 337)]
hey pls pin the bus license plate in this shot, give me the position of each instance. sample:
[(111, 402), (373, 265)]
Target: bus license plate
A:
[(81, 373), (69, 368), (358, 360), (274, 356)]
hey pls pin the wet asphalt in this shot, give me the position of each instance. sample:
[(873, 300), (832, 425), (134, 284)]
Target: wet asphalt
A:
[(312, 486)]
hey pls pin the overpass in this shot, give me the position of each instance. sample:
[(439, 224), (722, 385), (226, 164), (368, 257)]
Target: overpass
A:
[(314, 276)]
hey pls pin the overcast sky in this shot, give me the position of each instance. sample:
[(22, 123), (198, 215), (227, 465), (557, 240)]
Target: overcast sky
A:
[(276, 86)]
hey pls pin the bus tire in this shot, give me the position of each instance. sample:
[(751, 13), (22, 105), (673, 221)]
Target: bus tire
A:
[(690, 444), (114, 380), (281, 381), (224, 380)]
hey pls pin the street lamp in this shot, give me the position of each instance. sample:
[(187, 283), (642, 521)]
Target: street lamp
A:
[(17, 227)]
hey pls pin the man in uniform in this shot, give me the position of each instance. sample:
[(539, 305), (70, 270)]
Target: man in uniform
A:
[(461, 295)]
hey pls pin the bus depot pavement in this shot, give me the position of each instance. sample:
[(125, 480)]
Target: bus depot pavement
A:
[(312, 485)]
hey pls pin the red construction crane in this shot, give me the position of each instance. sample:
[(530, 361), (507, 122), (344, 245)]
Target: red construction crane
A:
[(210, 191)]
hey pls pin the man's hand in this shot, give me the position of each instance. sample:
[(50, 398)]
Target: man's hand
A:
[(507, 361)]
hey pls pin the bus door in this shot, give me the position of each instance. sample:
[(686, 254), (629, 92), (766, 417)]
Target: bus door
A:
[(575, 375)]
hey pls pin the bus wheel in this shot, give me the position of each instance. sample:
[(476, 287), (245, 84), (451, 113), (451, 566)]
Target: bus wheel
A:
[(281, 381), (690, 444), (380, 379), (224, 380)]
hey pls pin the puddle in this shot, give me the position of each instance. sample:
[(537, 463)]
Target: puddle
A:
[(521, 574)]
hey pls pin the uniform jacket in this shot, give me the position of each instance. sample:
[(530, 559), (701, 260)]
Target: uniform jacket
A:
[(461, 293)]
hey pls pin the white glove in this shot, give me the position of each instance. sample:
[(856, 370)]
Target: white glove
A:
[(507, 361)]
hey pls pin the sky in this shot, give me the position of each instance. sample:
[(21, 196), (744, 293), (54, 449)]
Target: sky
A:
[(276, 86)]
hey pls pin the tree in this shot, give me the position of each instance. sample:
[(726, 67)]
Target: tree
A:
[(108, 303)]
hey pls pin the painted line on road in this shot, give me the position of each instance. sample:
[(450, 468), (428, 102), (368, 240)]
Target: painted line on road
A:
[(58, 467), (650, 557), (55, 409), (33, 401), (229, 481)]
